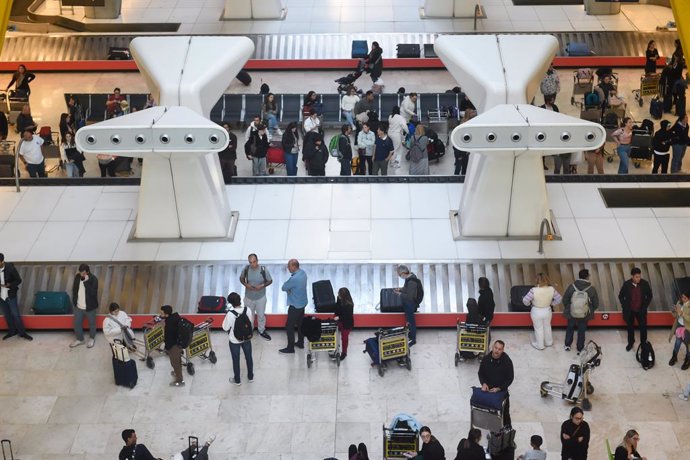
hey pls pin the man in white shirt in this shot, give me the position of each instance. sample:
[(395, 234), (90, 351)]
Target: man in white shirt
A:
[(31, 155), (235, 344), (9, 285), (312, 123), (408, 108)]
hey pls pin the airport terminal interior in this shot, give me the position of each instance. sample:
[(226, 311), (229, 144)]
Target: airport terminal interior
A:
[(495, 218)]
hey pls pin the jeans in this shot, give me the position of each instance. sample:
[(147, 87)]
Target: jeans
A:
[(38, 170), (678, 154), (348, 116), (291, 163), (175, 355), (272, 121), (541, 319), (409, 310), (294, 319), (623, 152), (79, 315), (660, 161), (235, 348), (686, 391), (72, 170), (258, 309), (581, 326), (676, 347), (379, 166), (11, 312), (561, 161), (641, 316), (258, 166)]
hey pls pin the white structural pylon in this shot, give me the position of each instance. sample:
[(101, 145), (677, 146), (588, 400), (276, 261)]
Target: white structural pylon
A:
[(504, 193), (182, 193)]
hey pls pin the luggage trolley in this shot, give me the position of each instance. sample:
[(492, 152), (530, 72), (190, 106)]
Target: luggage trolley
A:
[(583, 83), (649, 86), (392, 344), (487, 415), (473, 339), (398, 440), (199, 346), (576, 386), (439, 121), (154, 340), (328, 341)]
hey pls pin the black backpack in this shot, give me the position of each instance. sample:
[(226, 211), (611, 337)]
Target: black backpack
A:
[(185, 331), (420, 290), (645, 355), (243, 328), (264, 89)]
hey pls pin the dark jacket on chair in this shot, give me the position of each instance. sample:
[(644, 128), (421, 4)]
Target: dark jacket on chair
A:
[(90, 291)]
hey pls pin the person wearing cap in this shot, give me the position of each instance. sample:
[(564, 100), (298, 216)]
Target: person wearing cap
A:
[(661, 143)]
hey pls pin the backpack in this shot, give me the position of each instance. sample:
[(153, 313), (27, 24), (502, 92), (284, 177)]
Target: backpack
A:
[(264, 89), (550, 83), (185, 331), (243, 328), (592, 99), (645, 355), (333, 147), (579, 303), (246, 271), (611, 120), (420, 290), (416, 151)]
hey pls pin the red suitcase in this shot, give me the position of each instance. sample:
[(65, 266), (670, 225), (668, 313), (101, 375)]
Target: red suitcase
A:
[(275, 156)]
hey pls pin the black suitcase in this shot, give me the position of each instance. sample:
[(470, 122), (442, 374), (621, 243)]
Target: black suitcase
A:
[(406, 50), (680, 286), (391, 302), (360, 49), (322, 294), (516, 295), (429, 51), (311, 328), (125, 373), (501, 441), (212, 304), (244, 77)]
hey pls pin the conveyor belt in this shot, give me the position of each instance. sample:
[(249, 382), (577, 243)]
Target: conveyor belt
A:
[(141, 287), (86, 47)]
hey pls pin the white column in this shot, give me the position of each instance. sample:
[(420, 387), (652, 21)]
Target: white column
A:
[(237, 9)]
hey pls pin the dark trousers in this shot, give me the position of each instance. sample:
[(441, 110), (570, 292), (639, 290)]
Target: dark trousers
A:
[(641, 317), (228, 168), (246, 347), (581, 326), (12, 316), (108, 168), (461, 160), (365, 164), (506, 412), (175, 355), (38, 170), (346, 167), (294, 319), (409, 318), (660, 161)]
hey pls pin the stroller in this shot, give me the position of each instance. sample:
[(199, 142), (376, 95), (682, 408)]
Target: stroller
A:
[(346, 82)]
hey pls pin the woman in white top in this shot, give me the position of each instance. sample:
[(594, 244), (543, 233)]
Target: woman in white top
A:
[(71, 157), (115, 324), (397, 130), (365, 148), (347, 105), (542, 297)]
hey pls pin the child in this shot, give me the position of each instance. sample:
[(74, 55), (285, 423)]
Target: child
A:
[(535, 453), (344, 315)]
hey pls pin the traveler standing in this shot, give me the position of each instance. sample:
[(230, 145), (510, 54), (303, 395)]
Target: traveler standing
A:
[(411, 294), (85, 301), (21, 79), (9, 285), (541, 298), (575, 436), (383, 152), (117, 325), (550, 85), (419, 155), (681, 329), (258, 148), (228, 156), (486, 302), (365, 144), (291, 146), (172, 347), (580, 301), (496, 374), (623, 138), (344, 311), (661, 144), (237, 336), (31, 155), (397, 131), (651, 55), (408, 107), (256, 278), (680, 143), (345, 150), (296, 289), (635, 296)]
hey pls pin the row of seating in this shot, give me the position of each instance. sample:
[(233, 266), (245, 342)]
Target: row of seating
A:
[(241, 108)]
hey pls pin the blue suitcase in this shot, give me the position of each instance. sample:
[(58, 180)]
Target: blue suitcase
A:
[(360, 49), (371, 346), (125, 373), (577, 49), (52, 303)]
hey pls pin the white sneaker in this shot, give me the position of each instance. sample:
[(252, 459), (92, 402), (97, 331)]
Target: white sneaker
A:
[(683, 397), (566, 348), (90, 343), (210, 439), (76, 343)]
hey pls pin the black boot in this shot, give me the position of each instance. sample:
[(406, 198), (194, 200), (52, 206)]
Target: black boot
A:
[(686, 363), (674, 360)]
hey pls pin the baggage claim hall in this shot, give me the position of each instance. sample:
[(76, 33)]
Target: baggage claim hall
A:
[(344, 229)]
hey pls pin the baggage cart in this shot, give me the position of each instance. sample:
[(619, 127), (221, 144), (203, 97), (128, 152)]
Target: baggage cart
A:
[(583, 83), (473, 339), (393, 344), (487, 418), (649, 86), (398, 441), (576, 386), (8, 159), (153, 341), (200, 346), (439, 121), (329, 341)]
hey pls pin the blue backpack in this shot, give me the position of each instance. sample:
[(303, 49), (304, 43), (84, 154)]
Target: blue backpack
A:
[(592, 99)]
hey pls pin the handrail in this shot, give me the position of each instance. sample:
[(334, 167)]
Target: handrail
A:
[(549, 234), (477, 14)]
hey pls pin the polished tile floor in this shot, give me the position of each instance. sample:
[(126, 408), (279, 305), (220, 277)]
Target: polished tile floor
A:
[(61, 403)]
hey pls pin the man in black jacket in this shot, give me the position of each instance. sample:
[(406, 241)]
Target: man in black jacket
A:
[(174, 350), (132, 450), (9, 285), (496, 374), (85, 301), (635, 296), (345, 149)]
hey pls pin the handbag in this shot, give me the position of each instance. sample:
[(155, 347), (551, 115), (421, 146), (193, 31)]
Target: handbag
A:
[(120, 351), (73, 154), (126, 335)]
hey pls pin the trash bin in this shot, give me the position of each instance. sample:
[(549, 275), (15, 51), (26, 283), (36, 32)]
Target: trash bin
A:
[(599, 7), (110, 10)]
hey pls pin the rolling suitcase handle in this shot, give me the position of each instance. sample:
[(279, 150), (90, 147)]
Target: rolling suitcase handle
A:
[(9, 445), (193, 447)]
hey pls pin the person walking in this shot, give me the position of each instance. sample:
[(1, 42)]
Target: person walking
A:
[(496, 374), (296, 289), (575, 436), (541, 298), (635, 296), (9, 286), (172, 347), (580, 301), (344, 314), (235, 314), (256, 278), (681, 330), (411, 294), (85, 301)]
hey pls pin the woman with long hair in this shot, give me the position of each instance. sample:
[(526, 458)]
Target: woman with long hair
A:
[(623, 138), (344, 311), (431, 447), (627, 449), (291, 146), (651, 55), (270, 110), (21, 79), (419, 156), (469, 448), (541, 298), (72, 158), (575, 436)]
